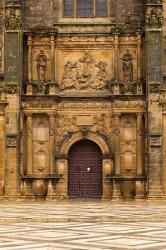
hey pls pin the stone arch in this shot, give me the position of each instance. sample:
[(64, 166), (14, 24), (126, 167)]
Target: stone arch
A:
[(96, 138)]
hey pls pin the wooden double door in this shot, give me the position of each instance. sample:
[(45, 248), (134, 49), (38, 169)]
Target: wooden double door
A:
[(85, 170)]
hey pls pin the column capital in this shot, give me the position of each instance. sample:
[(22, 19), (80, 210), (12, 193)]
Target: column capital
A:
[(28, 114), (117, 115)]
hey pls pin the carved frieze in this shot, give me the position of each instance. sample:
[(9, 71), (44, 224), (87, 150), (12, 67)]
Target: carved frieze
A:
[(129, 105), (85, 106), (38, 103)]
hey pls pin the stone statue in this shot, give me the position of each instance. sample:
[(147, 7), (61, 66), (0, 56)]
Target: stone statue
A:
[(41, 67), (127, 67)]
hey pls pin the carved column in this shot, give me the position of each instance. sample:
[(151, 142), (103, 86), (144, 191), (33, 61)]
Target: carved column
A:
[(29, 143), (13, 80), (139, 145), (140, 183), (52, 142), (29, 86), (139, 84), (30, 58), (52, 43), (116, 70), (116, 182), (117, 142), (154, 79), (139, 56), (2, 145)]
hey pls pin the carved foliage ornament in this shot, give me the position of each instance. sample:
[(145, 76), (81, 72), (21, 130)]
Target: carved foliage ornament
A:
[(85, 74), (13, 20), (154, 17)]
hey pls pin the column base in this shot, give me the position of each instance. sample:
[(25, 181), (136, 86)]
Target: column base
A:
[(116, 191)]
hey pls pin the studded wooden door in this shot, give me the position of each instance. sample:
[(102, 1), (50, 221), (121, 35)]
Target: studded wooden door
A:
[(85, 170)]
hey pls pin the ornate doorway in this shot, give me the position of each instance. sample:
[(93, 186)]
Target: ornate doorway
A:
[(85, 170)]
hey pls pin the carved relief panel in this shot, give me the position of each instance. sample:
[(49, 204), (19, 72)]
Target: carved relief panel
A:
[(128, 144), (99, 123), (85, 70), (40, 145)]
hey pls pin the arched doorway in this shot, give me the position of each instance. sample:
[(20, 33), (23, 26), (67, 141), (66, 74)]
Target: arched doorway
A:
[(85, 170)]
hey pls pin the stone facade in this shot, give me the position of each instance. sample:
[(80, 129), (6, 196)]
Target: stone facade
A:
[(63, 80)]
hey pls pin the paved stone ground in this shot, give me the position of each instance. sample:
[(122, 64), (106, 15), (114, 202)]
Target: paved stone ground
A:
[(82, 225)]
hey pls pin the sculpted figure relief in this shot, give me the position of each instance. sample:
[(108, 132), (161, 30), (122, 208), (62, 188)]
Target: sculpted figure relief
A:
[(85, 74), (67, 125), (69, 77), (41, 67), (127, 67)]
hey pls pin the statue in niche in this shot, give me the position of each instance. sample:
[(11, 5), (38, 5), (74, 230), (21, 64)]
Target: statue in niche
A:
[(127, 67), (41, 67), (69, 77), (101, 77)]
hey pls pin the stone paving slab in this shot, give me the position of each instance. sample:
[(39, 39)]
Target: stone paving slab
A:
[(83, 225)]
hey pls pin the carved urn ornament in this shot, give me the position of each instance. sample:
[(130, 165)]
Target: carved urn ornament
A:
[(39, 187)]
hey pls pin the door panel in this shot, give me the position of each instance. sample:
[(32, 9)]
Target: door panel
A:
[(85, 170)]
